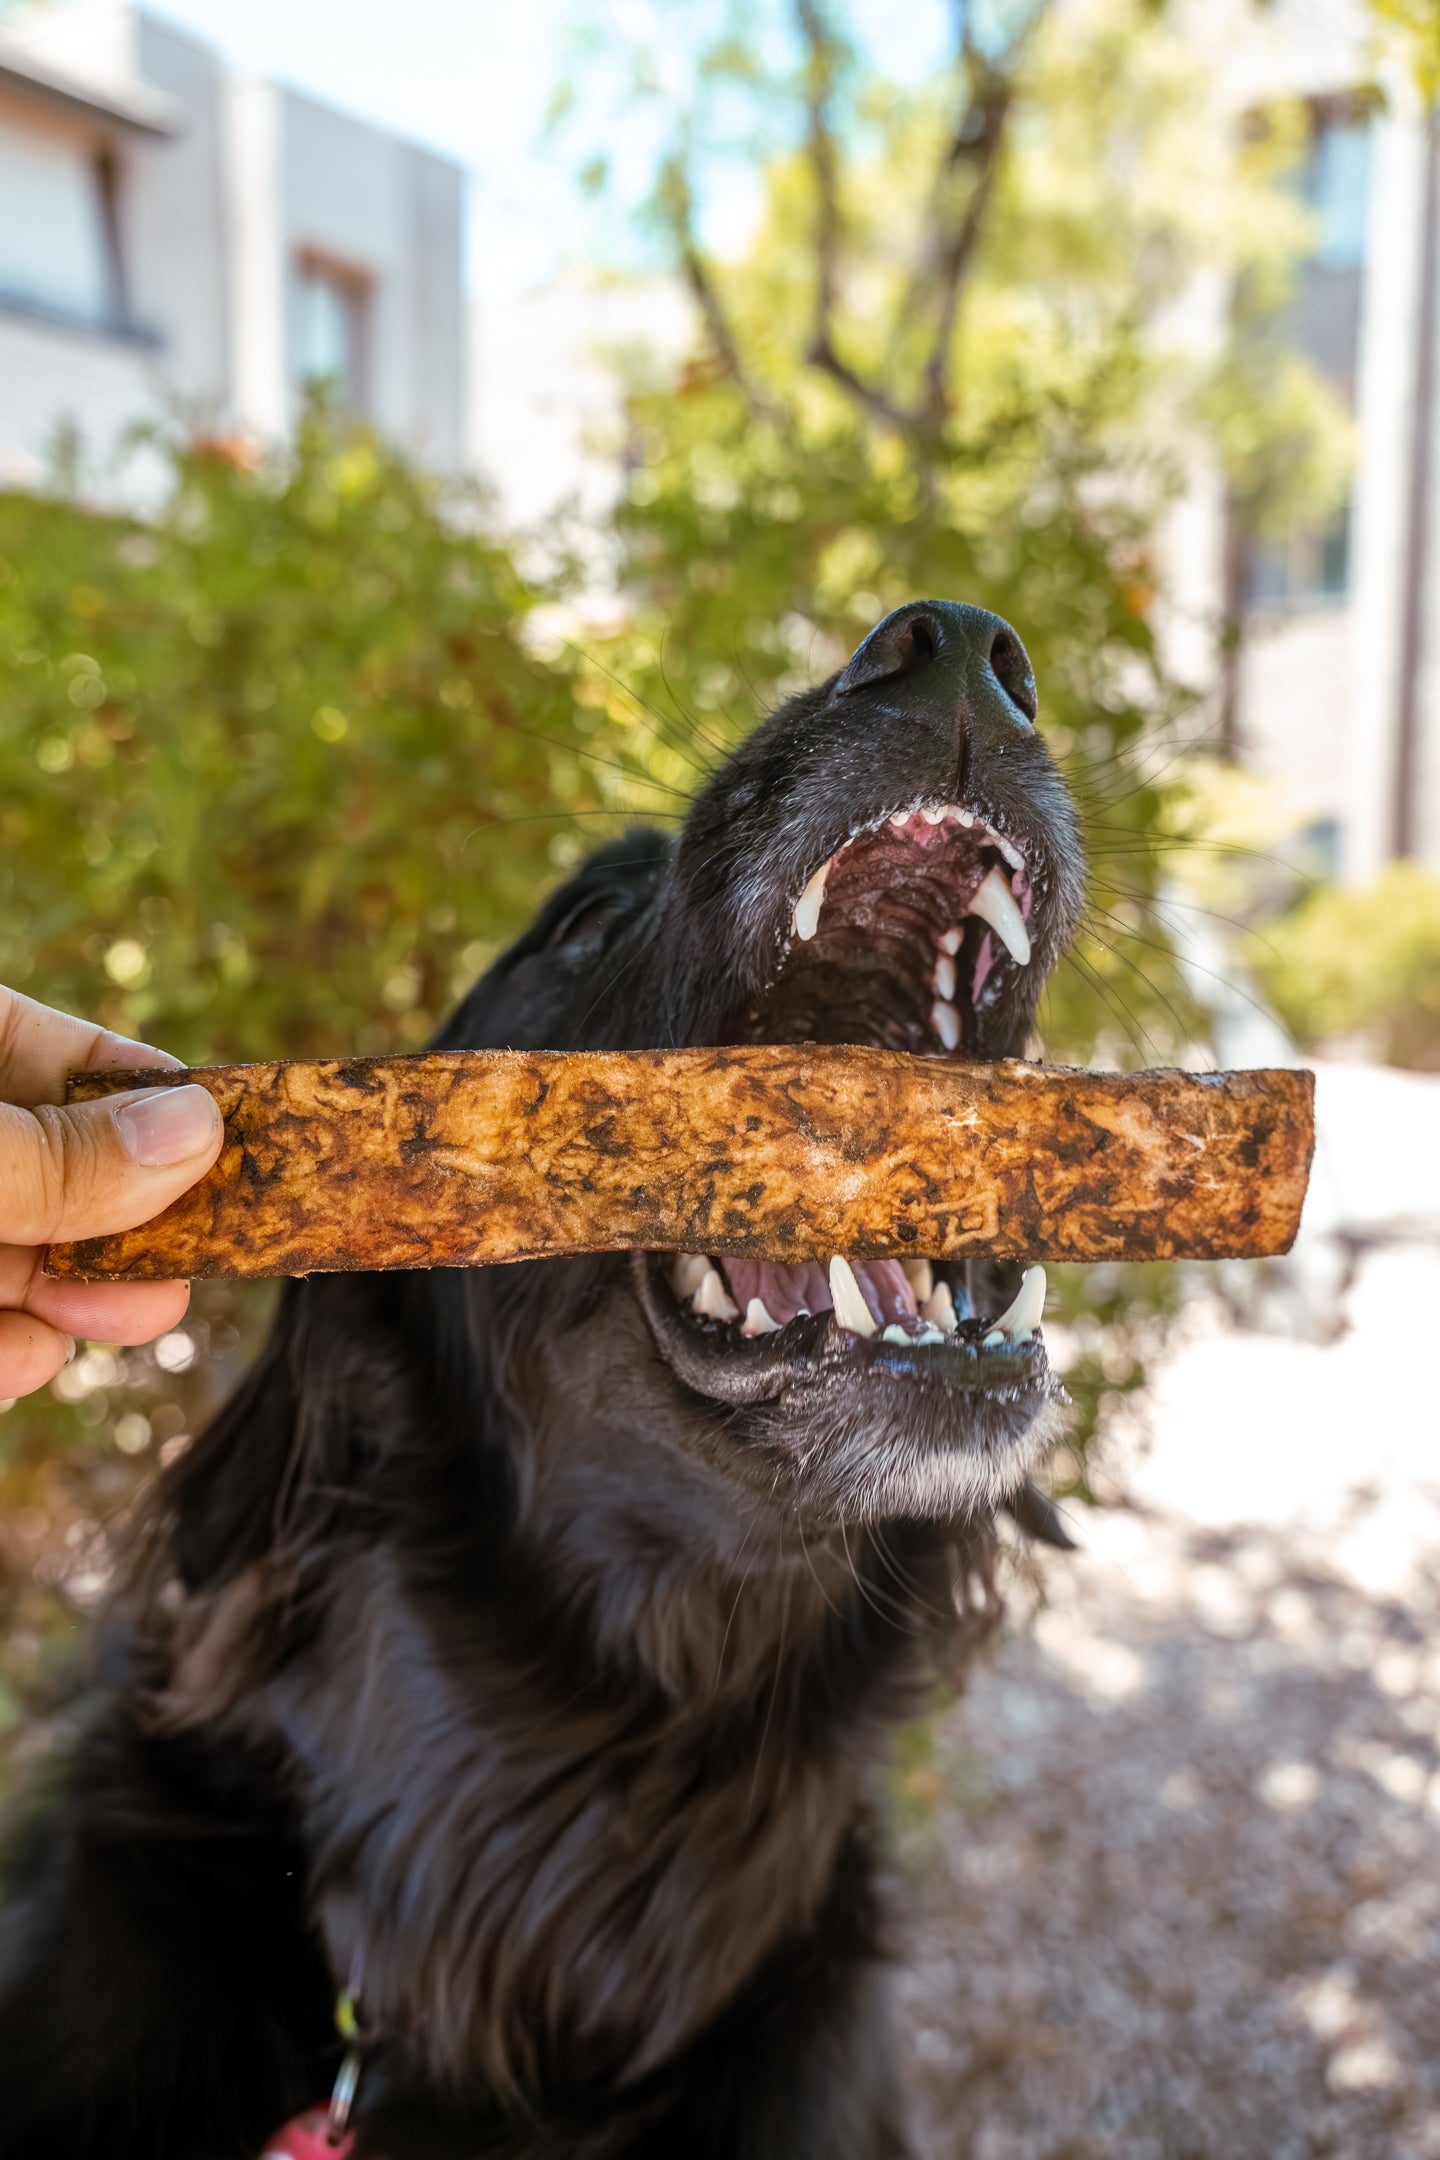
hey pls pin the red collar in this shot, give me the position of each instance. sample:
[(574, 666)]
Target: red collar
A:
[(308, 2137)]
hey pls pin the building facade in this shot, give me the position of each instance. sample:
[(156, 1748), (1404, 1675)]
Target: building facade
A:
[(174, 239), (1334, 687)]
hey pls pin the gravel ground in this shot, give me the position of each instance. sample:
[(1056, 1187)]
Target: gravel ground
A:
[(1175, 1861)]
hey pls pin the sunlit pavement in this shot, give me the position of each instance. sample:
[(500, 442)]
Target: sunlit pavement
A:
[(1180, 1895)]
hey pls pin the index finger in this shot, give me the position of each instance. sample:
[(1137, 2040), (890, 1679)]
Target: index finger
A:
[(39, 1047)]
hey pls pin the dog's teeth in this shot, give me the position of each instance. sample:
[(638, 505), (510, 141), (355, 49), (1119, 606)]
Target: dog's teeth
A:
[(1023, 1314), (688, 1270), (757, 1320), (925, 1340), (1010, 853), (900, 823), (938, 1307), (965, 817), (806, 919), (946, 1022), (951, 941), (920, 1276), (934, 813), (944, 977), (851, 1311), (994, 903), (712, 1301)]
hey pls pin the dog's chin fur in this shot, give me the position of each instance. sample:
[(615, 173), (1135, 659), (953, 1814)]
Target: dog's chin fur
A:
[(523, 1645)]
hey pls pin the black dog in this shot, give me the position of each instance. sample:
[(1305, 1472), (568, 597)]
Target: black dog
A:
[(519, 1644)]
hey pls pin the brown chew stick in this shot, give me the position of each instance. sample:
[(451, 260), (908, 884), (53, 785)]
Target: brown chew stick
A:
[(472, 1156)]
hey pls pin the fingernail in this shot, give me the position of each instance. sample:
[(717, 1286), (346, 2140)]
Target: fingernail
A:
[(119, 1048), (168, 1126)]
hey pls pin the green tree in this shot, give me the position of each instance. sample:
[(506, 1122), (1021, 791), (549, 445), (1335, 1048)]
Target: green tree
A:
[(278, 763), (952, 360), (1412, 28)]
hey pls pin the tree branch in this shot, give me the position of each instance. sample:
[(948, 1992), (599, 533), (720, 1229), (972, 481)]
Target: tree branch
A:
[(819, 85), (678, 204), (976, 142), (821, 50)]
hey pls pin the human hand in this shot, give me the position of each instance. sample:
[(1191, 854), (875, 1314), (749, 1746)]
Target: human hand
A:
[(79, 1172)]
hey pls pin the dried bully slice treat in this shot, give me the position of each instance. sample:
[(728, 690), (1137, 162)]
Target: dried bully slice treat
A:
[(467, 1157)]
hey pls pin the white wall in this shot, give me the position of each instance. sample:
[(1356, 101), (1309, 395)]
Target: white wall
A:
[(1386, 424), (545, 409), (307, 179), (175, 223), (257, 285), (52, 377), (1296, 707)]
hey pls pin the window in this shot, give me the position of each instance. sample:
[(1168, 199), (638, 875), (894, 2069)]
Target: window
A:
[(55, 227), (1323, 320), (1336, 181), (1312, 562), (331, 307)]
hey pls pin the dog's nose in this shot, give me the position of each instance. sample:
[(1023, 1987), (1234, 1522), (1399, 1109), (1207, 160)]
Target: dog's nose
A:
[(943, 648)]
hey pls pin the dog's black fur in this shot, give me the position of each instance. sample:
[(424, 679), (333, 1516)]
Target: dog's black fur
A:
[(487, 1649)]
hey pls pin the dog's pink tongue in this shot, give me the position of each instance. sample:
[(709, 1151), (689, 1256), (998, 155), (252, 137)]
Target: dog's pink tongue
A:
[(787, 1288)]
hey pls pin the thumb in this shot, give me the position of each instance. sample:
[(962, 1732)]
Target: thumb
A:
[(96, 1167)]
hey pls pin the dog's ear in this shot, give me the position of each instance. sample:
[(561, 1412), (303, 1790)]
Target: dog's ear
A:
[(244, 1516), (221, 1498), (367, 1392)]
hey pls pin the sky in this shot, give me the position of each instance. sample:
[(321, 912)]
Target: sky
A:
[(474, 78)]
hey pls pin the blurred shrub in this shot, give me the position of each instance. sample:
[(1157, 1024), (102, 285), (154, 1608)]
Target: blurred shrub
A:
[(277, 768), (1348, 965), (278, 765)]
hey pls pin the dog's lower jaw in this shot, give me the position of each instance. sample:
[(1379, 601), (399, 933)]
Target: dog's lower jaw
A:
[(835, 1444), (863, 1467)]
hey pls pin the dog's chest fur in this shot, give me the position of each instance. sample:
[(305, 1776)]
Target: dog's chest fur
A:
[(552, 1883)]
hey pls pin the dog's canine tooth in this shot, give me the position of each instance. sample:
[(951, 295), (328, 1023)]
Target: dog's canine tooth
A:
[(994, 903), (1023, 1314), (712, 1301), (850, 1308), (950, 941), (757, 1319), (944, 976), (920, 1276), (946, 1022), (1010, 852), (687, 1271), (938, 1307), (806, 919)]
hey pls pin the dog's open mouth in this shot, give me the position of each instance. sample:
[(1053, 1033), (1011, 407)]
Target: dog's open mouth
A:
[(904, 938)]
